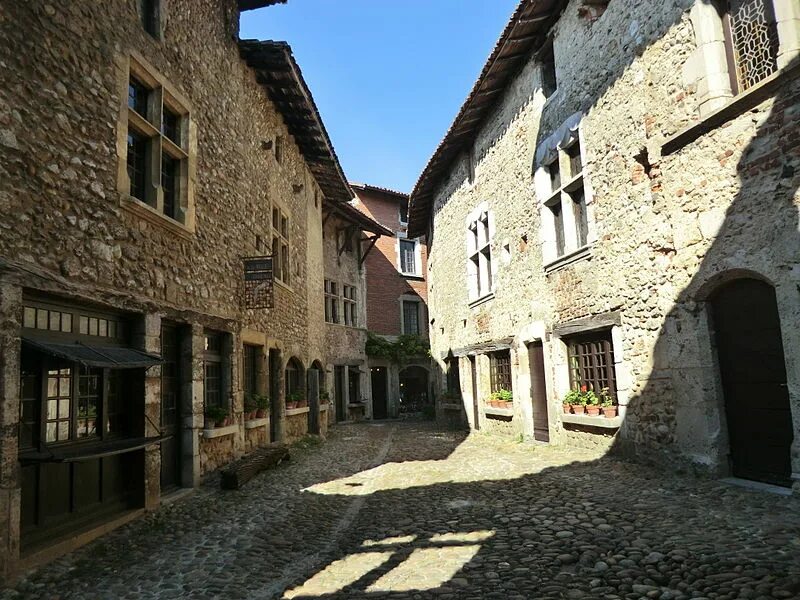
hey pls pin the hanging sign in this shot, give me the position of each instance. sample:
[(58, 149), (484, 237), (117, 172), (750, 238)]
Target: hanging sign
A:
[(258, 280)]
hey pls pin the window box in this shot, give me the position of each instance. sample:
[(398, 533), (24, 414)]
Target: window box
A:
[(498, 412), (255, 423), (220, 431), (588, 421)]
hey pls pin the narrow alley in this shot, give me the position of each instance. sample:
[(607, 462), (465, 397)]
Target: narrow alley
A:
[(403, 510)]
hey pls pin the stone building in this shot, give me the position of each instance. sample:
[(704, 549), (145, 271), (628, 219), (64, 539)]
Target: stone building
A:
[(397, 303), (615, 206), (145, 151)]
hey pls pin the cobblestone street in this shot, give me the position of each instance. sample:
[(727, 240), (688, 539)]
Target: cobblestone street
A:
[(404, 511)]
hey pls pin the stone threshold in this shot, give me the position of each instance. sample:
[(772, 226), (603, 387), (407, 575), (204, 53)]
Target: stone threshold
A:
[(255, 423), (587, 421), (220, 431), (757, 486), (290, 412)]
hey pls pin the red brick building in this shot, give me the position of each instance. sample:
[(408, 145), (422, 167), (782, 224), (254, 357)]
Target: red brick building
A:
[(397, 300)]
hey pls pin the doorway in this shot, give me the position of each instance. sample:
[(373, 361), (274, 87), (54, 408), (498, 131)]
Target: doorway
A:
[(171, 394), (541, 428), (379, 385), (476, 411), (413, 390), (751, 362), (338, 392)]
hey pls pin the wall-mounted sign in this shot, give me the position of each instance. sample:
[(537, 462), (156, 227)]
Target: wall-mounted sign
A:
[(258, 278)]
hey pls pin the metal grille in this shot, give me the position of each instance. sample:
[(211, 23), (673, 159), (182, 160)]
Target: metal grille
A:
[(754, 40), (591, 361), (500, 371)]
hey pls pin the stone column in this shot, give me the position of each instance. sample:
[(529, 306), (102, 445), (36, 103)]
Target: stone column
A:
[(148, 338), (787, 15), (192, 347), (277, 393), (10, 316), (708, 66)]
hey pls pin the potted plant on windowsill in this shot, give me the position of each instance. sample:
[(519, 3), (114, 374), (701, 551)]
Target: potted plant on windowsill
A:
[(607, 404), (216, 416), (250, 406), (324, 398), (262, 406), (293, 400), (579, 407), (501, 399), (572, 398), (592, 403)]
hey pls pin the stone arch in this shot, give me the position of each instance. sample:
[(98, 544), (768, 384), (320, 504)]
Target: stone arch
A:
[(713, 284), (294, 379), (415, 392)]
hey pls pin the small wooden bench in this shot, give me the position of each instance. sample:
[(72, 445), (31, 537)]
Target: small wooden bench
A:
[(243, 470)]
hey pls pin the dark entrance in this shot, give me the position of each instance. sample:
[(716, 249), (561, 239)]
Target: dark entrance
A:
[(413, 390), (751, 361), (476, 412), (379, 404), (338, 391), (170, 408), (541, 430)]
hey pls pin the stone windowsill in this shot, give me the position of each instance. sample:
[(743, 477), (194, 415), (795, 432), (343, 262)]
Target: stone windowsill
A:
[(279, 283), (481, 300), (356, 405), (498, 412), (150, 214), (290, 412), (566, 260), (255, 423), (220, 431), (587, 421), (737, 106), (451, 406)]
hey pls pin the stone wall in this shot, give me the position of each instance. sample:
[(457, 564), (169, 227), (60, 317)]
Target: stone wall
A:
[(663, 230)]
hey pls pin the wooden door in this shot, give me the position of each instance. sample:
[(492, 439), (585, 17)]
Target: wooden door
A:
[(338, 392), (541, 428), (473, 369), (312, 378), (379, 404), (170, 409), (753, 370)]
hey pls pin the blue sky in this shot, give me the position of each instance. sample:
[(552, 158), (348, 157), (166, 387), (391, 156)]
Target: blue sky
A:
[(388, 76)]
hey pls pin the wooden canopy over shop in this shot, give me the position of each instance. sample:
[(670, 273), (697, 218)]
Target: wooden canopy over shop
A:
[(277, 70), (526, 32)]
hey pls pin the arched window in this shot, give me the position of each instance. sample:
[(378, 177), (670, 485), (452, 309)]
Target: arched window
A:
[(293, 376)]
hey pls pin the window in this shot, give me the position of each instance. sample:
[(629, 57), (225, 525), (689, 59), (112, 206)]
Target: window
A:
[(350, 306), (280, 245), (212, 371), (279, 148), (500, 371), (59, 405), (89, 380), (751, 41), (561, 183), (548, 70), (156, 126), (170, 375), (250, 369), (591, 362), (411, 317), (149, 14), (292, 376), (403, 210), (479, 267), (408, 257), (331, 302)]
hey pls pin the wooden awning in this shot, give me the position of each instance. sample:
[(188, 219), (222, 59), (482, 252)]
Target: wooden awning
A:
[(111, 357)]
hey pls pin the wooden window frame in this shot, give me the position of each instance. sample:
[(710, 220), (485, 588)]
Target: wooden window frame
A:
[(590, 360), (350, 305), (418, 306), (215, 358), (480, 255), (281, 247), (401, 263), (500, 373), (331, 302)]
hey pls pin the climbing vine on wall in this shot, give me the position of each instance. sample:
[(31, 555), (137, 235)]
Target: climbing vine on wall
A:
[(404, 349)]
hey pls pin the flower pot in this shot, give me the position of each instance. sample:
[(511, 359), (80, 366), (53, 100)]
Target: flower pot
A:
[(593, 411), (291, 405), (609, 412), (221, 422), (578, 409), (261, 413), (507, 404), (567, 408), (302, 404)]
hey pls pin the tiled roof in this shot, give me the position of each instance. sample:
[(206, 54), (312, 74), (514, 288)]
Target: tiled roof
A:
[(280, 75), (525, 32), (252, 4), (374, 188)]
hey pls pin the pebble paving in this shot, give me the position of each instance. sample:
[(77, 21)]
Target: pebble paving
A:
[(404, 511)]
